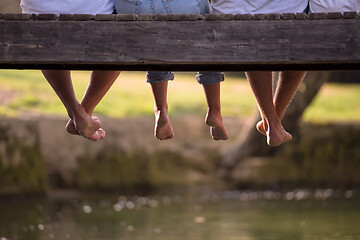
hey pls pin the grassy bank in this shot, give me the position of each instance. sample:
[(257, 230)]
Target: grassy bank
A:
[(26, 92)]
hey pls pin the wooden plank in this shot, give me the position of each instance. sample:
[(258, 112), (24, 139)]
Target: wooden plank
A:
[(159, 17), (47, 17), (144, 17), (288, 16), (196, 17), (301, 16), (125, 17), (334, 15), (259, 16), (176, 17), (273, 16), (211, 17), (192, 45), (226, 17), (16, 16), (316, 16), (105, 17), (349, 15), (244, 17), (65, 17), (83, 17)]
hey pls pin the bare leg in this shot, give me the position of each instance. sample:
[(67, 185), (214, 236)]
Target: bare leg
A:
[(100, 83), (260, 126), (213, 117), (60, 81), (286, 88), (261, 84), (163, 129)]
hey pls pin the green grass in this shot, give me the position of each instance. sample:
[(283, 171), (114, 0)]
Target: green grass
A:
[(130, 95), (26, 91), (335, 102)]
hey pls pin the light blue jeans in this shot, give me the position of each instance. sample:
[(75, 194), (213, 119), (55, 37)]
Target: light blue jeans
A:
[(169, 7)]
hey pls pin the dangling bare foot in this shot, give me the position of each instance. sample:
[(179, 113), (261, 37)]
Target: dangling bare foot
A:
[(277, 136), (99, 134), (274, 137), (261, 128), (217, 129), (85, 125), (163, 129), (90, 129), (70, 128)]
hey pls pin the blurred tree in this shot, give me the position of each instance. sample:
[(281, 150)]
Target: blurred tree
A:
[(251, 143), (345, 77)]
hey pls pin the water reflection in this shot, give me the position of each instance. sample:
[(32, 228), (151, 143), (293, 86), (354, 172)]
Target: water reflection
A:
[(244, 215)]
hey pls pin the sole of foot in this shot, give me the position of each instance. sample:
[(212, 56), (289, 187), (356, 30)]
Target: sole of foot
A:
[(92, 131), (163, 129), (217, 129)]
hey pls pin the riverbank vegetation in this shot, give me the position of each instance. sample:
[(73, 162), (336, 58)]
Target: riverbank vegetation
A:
[(26, 92)]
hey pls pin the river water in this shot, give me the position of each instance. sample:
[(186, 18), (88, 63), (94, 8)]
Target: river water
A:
[(241, 215)]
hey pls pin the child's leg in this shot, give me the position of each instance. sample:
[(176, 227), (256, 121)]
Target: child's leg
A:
[(159, 82), (211, 84), (213, 116), (286, 88), (60, 81), (163, 129), (261, 84), (100, 83)]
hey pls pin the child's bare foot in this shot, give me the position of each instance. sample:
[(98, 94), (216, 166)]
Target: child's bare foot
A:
[(99, 134), (163, 129), (277, 137), (217, 129)]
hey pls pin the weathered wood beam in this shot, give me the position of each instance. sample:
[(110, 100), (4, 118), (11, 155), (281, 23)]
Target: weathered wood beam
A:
[(181, 42)]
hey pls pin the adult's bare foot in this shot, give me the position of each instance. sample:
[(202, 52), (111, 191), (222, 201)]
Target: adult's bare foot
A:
[(163, 129), (70, 128), (261, 128), (90, 128), (99, 134), (277, 137), (85, 125), (217, 129)]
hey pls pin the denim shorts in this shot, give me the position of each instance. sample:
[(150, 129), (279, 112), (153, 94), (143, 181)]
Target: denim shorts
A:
[(169, 7), (162, 6)]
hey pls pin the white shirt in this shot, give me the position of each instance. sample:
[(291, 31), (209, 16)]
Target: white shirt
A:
[(334, 5), (259, 6), (68, 6)]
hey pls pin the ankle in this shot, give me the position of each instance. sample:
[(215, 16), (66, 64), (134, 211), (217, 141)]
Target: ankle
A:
[(88, 110), (214, 113), (216, 110), (78, 113), (163, 109)]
